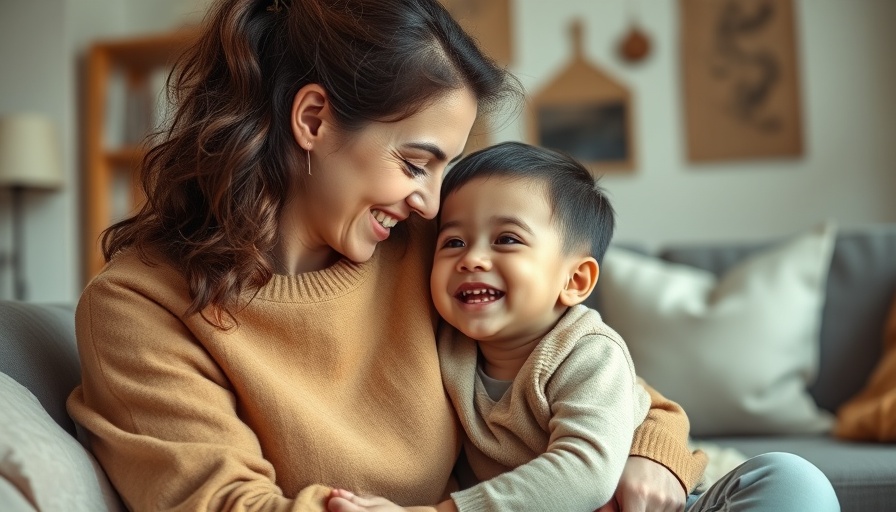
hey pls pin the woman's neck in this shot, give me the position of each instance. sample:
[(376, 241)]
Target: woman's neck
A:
[(300, 260), (293, 253)]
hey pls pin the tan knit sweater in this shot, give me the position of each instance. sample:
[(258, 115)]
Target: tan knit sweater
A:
[(332, 378), (557, 439)]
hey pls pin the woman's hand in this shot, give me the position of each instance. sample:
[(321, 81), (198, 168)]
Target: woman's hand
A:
[(344, 501), (646, 486)]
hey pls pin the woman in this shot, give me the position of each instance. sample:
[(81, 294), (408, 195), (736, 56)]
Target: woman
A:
[(263, 328)]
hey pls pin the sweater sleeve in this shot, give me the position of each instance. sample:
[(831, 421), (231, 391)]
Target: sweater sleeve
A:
[(663, 438), (161, 415), (594, 407)]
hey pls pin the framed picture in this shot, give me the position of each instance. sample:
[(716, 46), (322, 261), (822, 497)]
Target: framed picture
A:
[(585, 112), (741, 86), (595, 132)]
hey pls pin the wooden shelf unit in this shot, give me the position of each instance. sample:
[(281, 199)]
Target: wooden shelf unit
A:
[(137, 59)]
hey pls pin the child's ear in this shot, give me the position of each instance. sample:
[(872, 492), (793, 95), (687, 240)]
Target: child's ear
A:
[(581, 282)]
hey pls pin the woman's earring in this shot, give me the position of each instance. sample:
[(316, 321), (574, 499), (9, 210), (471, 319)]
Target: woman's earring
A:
[(308, 158)]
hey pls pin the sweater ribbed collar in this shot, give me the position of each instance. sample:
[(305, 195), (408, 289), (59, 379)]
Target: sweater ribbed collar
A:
[(321, 285)]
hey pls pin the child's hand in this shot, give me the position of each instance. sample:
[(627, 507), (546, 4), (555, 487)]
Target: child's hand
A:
[(344, 501)]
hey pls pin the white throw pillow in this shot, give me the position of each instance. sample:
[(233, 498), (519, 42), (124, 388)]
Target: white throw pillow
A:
[(47, 466), (737, 352)]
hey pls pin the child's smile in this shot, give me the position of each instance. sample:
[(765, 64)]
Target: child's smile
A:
[(478, 293)]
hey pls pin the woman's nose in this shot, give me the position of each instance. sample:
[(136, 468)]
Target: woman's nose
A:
[(426, 200)]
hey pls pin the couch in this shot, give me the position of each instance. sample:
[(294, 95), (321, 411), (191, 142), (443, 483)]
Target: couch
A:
[(37, 349), (859, 289)]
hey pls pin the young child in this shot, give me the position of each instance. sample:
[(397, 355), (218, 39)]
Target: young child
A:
[(545, 391)]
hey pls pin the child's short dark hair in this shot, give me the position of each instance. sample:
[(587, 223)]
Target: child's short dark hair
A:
[(581, 208)]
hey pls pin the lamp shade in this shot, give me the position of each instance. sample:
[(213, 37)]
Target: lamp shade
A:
[(29, 152)]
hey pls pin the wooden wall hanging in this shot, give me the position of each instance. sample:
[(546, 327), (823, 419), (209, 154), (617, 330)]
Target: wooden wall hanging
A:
[(490, 23), (741, 86), (585, 112)]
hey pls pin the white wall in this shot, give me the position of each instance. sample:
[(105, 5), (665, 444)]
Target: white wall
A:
[(848, 172), (160, 15)]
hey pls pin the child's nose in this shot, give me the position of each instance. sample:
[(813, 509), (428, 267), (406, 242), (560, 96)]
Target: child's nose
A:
[(475, 260)]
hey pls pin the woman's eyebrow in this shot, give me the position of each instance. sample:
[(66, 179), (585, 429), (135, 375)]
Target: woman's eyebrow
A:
[(431, 148)]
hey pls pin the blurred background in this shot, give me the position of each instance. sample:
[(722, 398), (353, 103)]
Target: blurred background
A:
[(813, 78)]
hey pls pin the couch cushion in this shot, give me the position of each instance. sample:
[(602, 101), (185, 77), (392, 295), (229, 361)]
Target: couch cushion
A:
[(11, 499), (38, 350), (871, 414), (861, 284), (861, 281), (43, 462), (737, 352), (862, 473)]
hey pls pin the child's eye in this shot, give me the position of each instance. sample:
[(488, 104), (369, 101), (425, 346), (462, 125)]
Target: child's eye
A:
[(507, 240), (453, 243), (413, 170)]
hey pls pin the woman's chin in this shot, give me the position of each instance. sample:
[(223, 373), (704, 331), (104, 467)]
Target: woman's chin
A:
[(360, 254)]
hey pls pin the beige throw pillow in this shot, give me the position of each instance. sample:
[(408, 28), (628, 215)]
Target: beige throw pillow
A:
[(42, 462), (737, 352)]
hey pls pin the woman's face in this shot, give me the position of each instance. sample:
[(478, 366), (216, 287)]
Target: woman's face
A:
[(364, 183)]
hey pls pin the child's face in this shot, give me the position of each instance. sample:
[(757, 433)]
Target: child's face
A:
[(499, 267)]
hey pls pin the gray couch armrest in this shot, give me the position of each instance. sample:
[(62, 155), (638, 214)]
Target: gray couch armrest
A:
[(38, 350)]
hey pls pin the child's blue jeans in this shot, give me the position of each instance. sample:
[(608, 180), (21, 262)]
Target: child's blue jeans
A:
[(780, 482)]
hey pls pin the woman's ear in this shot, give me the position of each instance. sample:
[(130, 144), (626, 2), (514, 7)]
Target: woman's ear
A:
[(310, 108), (581, 281)]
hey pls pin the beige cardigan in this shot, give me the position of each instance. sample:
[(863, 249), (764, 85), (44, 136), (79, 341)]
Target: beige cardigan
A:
[(559, 437)]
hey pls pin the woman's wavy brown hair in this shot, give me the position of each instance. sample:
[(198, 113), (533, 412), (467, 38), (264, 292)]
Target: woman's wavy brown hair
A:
[(219, 177)]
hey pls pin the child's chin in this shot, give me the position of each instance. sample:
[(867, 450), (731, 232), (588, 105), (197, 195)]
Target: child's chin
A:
[(477, 332)]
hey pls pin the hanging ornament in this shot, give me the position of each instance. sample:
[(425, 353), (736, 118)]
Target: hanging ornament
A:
[(635, 45)]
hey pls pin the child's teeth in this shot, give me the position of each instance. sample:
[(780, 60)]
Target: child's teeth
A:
[(484, 295)]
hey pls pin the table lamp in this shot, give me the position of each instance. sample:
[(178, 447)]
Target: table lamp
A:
[(29, 159)]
